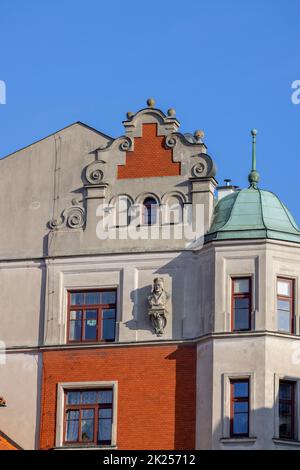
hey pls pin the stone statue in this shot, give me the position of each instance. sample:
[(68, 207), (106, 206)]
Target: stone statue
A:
[(157, 303)]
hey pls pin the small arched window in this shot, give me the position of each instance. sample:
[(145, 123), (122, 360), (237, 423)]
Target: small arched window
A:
[(123, 206), (150, 207), (174, 210)]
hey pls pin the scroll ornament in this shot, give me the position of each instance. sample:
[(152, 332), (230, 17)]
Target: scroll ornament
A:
[(73, 217)]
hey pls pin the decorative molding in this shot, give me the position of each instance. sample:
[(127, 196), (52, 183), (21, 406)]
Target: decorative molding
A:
[(166, 196), (169, 123), (94, 172), (172, 139), (124, 144), (142, 196), (73, 217), (203, 167), (199, 169)]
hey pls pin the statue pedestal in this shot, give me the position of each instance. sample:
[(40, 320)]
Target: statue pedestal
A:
[(158, 316)]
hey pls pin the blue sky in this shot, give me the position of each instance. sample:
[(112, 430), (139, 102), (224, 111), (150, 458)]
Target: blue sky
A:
[(226, 66)]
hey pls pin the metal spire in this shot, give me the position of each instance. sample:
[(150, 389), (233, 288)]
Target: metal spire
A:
[(253, 177)]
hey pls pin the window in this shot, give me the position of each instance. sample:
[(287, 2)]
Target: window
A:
[(239, 407), (123, 210), (285, 305), (241, 304), (286, 409), (91, 316), (150, 211), (88, 416), (174, 210)]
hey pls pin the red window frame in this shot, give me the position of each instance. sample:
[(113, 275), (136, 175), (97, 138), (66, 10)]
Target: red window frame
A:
[(291, 402), (290, 299), (79, 407), (234, 400), (244, 295), (84, 308)]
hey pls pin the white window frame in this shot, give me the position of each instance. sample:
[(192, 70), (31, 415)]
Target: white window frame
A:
[(62, 387)]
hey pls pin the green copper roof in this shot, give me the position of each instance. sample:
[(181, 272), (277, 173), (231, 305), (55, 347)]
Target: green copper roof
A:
[(252, 213)]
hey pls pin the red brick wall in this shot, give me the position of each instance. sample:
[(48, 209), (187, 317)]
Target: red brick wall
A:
[(6, 444), (156, 392), (150, 158)]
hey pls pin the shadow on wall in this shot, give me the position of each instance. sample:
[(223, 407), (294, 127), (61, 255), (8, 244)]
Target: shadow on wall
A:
[(264, 429), (139, 298), (183, 309), (185, 396)]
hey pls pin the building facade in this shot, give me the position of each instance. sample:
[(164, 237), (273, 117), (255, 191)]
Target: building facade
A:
[(142, 306)]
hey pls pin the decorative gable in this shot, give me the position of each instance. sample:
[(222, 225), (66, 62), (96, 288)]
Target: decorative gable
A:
[(150, 157)]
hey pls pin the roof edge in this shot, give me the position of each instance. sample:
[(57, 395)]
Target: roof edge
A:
[(56, 132), (10, 441)]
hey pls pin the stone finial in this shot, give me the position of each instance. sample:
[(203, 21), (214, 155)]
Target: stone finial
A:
[(151, 102), (199, 134), (171, 112), (2, 401), (129, 114)]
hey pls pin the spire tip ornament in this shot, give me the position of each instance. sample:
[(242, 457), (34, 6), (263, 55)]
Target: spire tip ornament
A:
[(253, 176)]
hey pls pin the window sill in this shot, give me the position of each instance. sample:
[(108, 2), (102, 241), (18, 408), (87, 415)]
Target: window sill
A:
[(286, 442), (85, 447), (238, 440)]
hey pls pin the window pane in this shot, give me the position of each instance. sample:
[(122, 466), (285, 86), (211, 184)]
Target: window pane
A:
[(87, 425), (284, 321), (241, 407), (105, 396), (150, 211), (73, 398), (283, 305), (105, 413), (285, 427), (108, 298), (90, 324), (240, 423), (75, 314), (104, 430), (241, 389), (283, 288), (241, 286), (105, 424), (241, 319), (108, 329), (77, 298), (242, 303), (285, 409), (75, 325), (72, 426), (92, 298), (285, 391), (89, 397)]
